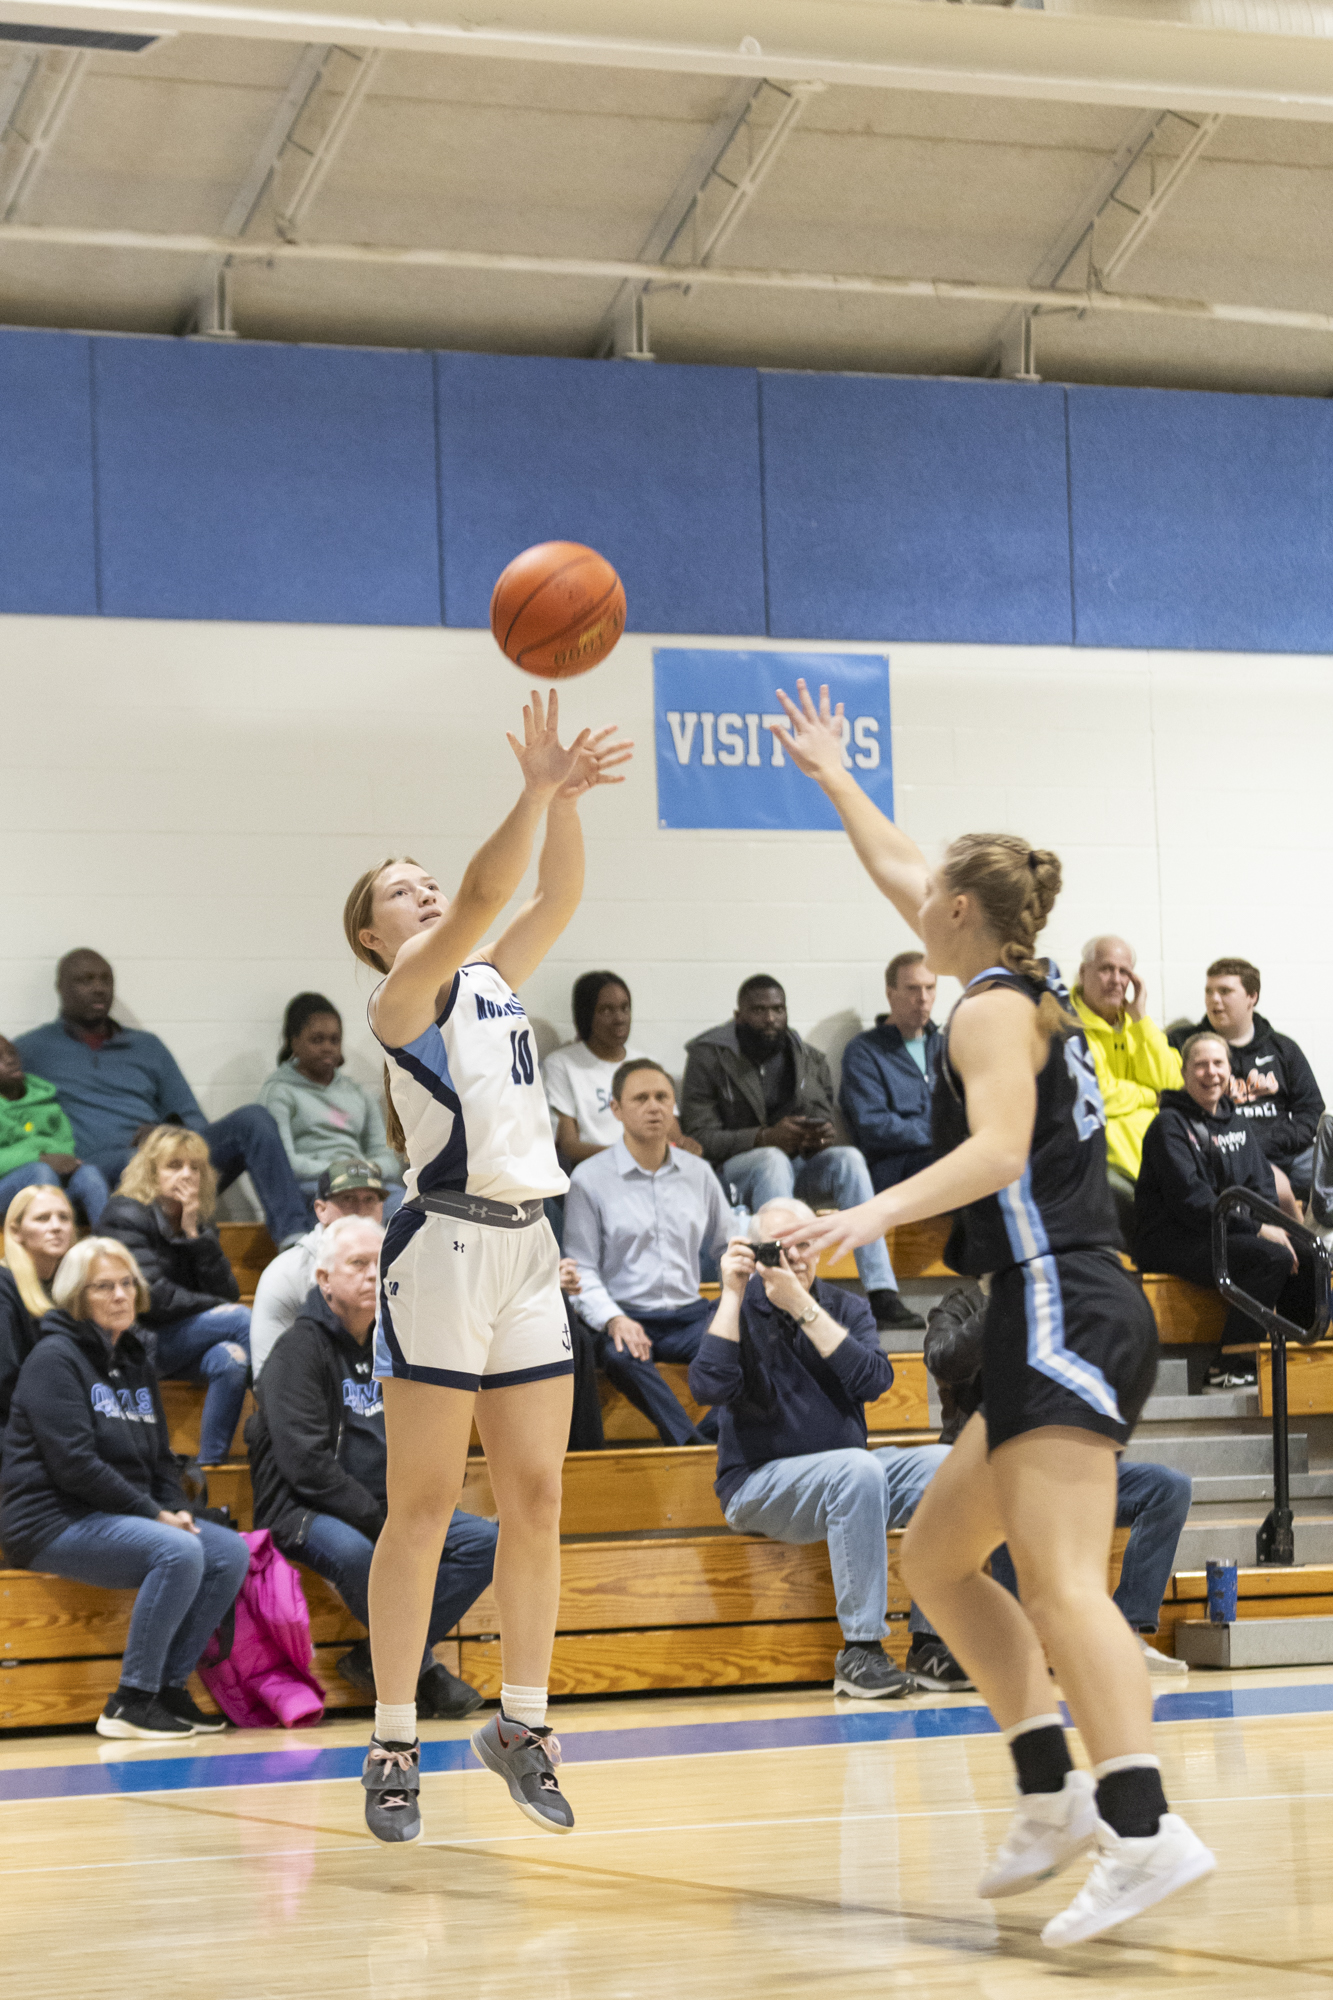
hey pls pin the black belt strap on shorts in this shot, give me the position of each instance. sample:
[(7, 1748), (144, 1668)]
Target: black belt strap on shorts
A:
[(476, 1208)]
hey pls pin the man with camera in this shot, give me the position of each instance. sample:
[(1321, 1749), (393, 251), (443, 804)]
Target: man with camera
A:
[(789, 1363)]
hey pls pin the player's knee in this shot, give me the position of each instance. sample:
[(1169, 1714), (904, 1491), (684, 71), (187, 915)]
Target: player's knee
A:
[(534, 1504)]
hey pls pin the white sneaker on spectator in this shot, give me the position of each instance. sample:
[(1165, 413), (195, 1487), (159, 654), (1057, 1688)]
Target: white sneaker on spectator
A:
[(1128, 1877), (1161, 1663), (1047, 1832)]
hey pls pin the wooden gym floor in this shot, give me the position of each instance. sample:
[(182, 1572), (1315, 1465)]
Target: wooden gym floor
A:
[(764, 1845)]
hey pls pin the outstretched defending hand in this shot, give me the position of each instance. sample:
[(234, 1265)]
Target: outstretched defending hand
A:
[(812, 738), (597, 762), (546, 766)]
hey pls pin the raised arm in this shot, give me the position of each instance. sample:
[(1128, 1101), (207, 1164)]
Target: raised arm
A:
[(997, 1050), (814, 740)]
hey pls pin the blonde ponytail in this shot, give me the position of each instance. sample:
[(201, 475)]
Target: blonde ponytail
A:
[(1015, 887), (357, 913)]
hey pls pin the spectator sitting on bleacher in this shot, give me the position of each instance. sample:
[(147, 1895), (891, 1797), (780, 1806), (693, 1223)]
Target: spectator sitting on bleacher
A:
[(89, 1491), (1198, 1145), (115, 1083), (1152, 1501), (161, 1210), (578, 1075), (790, 1363), (759, 1100), (39, 1228), (638, 1218), (37, 1141), (586, 1432), (319, 1462), (888, 1075), (348, 1186), (1134, 1060), (321, 1115), (1271, 1084)]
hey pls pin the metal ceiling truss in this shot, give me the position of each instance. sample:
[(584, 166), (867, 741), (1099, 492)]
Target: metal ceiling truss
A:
[(36, 95), (1112, 222), (289, 167), (707, 202)]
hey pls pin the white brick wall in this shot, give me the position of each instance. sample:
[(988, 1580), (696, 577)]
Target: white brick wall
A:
[(195, 801)]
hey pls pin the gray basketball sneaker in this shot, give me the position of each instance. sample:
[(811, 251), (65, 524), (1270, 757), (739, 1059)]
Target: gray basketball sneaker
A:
[(526, 1759), (391, 1775)]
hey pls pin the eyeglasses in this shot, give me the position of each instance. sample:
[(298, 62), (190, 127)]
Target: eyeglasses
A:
[(107, 1288)]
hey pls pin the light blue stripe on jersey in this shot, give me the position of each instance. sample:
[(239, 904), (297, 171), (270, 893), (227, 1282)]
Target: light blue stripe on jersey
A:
[(1047, 1352)]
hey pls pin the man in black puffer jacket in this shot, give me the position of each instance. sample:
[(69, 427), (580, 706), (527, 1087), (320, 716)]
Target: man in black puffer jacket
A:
[(1198, 1145), (319, 1462)]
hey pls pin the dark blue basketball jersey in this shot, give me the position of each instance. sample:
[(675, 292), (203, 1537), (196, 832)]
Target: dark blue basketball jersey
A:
[(1061, 1201)]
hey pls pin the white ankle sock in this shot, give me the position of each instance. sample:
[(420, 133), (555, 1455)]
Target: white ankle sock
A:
[(396, 1722), (525, 1705), (1032, 1722), (1137, 1760)]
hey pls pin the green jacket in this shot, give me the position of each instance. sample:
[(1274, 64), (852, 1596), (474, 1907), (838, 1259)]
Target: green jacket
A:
[(33, 1125), (324, 1122), (1135, 1063)]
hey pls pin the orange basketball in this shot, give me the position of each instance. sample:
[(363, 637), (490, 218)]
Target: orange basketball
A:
[(557, 610)]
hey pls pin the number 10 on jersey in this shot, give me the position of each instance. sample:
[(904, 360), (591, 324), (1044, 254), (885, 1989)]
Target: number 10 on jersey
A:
[(522, 1068)]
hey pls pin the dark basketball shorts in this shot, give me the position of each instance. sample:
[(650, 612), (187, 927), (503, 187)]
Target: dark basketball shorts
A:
[(1068, 1339)]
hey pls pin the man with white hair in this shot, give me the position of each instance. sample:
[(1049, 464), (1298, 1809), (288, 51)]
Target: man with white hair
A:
[(789, 1363), (1134, 1061), (319, 1462), (350, 1186)]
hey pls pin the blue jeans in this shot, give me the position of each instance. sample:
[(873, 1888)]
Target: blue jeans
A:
[(245, 1142), (199, 1349), (1152, 1502), (675, 1337), (849, 1499), (86, 1186), (186, 1584), (394, 1191), (342, 1557), (836, 1178)]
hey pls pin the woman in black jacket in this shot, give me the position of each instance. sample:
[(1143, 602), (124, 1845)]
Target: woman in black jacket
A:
[(89, 1491), (39, 1228), (161, 1212), (1196, 1147)]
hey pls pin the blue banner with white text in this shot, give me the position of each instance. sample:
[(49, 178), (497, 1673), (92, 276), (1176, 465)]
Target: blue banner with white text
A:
[(718, 763)]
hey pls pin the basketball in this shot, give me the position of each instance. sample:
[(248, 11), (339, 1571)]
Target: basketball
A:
[(557, 610)]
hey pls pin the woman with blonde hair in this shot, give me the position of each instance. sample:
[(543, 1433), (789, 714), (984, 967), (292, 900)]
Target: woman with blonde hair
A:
[(89, 1491), (39, 1228), (469, 1271), (1068, 1361), (161, 1212)]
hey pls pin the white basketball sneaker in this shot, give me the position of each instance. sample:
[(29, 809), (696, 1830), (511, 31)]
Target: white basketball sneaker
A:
[(1128, 1877), (1047, 1832)]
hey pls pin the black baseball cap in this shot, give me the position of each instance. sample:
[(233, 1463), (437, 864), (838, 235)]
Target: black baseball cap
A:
[(344, 1175)]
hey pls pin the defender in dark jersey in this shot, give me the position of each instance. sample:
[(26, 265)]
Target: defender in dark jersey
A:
[(1069, 1357)]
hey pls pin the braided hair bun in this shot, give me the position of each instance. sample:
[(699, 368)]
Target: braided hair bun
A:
[(1015, 887)]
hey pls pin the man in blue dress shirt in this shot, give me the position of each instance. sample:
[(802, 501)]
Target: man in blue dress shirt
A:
[(638, 1217)]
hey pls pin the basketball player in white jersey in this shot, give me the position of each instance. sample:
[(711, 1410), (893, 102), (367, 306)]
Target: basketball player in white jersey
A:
[(469, 1274)]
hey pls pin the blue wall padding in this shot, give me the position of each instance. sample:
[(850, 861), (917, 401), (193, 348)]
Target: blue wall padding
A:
[(1202, 521), (48, 556), (915, 510), (656, 466), (266, 482)]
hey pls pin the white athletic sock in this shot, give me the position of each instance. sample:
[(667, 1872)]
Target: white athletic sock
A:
[(1032, 1722), (396, 1722), (1137, 1760), (525, 1705)]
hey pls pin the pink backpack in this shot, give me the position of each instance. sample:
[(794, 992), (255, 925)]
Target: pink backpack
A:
[(266, 1678)]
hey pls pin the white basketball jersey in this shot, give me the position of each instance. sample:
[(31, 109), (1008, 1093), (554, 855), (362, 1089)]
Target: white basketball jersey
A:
[(470, 1098)]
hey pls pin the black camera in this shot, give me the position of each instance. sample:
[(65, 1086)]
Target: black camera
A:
[(770, 1254)]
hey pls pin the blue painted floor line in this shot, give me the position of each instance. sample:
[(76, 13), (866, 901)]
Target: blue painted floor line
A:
[(298, 1763)]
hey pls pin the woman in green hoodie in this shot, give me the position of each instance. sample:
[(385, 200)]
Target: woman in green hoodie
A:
[(322, 1116)]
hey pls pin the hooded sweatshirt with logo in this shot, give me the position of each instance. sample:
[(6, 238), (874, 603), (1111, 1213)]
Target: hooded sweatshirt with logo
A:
[(317, 1441), (1134, 1062), (324, 1122), (1189, 1157), (32, 1125), (1284, 1119), (86, 1435)]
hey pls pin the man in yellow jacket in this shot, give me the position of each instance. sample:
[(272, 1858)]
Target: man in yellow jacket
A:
[(1135, 1062)]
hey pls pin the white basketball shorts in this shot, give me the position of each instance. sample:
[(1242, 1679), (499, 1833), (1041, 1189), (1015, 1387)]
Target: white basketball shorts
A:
[(467, 1305)]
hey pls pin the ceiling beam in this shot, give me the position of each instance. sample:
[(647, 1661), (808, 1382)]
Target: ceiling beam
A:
[(1265, 58), (39, 106), (605, 270)]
